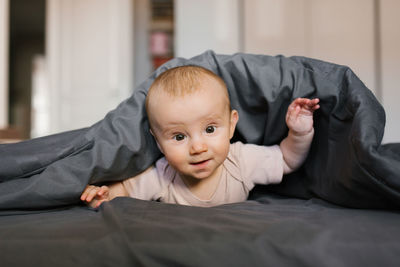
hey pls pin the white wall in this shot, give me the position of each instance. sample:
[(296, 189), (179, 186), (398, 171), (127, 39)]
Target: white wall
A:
[(345, 32), (206, 24), (89, 50), (4, 63), (274, 27), (339, 31), (313, 28), (390, 52)]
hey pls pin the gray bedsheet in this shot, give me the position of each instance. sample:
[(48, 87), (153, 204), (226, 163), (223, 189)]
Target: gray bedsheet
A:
[(272, 231)]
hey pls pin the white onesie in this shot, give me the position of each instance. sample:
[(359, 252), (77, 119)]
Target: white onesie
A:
[(245, 166)]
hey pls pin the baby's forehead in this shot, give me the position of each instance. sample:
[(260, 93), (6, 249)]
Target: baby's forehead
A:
[(203, 94), (201, 83), (181, 91)]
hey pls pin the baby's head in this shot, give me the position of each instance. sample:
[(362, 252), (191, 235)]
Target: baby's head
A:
[(185, 80), (191, 119)]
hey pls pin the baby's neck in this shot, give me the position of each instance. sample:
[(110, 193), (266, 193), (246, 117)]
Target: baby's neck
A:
[(205, 188)]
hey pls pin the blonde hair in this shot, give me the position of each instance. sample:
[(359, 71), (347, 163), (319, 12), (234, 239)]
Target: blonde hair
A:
[(181, 81)]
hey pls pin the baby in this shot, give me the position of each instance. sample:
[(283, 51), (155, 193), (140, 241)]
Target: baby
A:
[(192, 121)]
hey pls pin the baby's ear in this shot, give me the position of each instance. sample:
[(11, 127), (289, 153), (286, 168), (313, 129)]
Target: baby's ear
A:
[(158, 145), (234, 120)]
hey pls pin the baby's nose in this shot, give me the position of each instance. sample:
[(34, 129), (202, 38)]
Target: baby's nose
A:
[(198, 146)]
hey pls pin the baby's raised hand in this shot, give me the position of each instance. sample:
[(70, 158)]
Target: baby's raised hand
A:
[(95, 195), (299, 117)]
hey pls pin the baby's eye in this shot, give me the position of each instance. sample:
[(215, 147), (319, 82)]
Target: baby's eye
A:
[(210, 129), (179, 137)]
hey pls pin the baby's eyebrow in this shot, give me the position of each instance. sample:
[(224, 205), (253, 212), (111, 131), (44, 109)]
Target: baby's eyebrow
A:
[(173, 128), (214, 118)]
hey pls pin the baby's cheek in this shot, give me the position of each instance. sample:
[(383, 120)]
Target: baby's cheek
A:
[(173, 155), (222, 148), (174, 158)]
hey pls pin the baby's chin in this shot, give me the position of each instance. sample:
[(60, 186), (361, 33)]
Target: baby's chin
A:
[(196, 177), (201, 175)]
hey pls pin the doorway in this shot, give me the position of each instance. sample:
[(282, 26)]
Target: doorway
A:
[(26, 41)]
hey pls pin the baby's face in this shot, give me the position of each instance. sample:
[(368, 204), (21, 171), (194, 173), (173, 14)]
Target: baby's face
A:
[(193, 131)]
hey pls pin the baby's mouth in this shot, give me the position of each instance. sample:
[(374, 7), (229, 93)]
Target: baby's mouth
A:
[(197, 163)]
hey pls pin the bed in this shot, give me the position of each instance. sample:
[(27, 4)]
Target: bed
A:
[(341, 208)]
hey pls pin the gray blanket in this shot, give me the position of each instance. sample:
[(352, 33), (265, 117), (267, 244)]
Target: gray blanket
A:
[(347, 164)]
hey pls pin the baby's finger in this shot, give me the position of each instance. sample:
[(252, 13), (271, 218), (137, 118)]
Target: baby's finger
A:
[(102, 191), (297, 111), (297, 102), (99, 203), (314, 108), (92, 194), (313, 102), (293, 113), (94, 203), (86, 192), (290, 110), (301, 101), (292, 106), (83, 196), (307, 104)]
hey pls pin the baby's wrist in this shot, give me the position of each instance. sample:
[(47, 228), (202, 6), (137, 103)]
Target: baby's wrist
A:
[(301, 134)]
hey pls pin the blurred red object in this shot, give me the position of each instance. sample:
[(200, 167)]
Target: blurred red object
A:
[(158, 61)]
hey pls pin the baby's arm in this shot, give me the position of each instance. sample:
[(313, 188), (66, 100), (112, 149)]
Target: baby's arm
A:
[(143, 186), (95, 195), (299, 119)]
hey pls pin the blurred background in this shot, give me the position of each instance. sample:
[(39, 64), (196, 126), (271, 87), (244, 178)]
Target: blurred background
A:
[(65, 63)]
